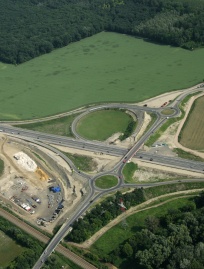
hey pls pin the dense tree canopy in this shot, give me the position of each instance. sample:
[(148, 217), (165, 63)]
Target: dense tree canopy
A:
[(174, 240), (29, 28)]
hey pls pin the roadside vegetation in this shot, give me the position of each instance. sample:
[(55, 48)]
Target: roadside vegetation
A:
[(148, 175), (107, 64), (191, 135), (153, 138), (106, 182), (129, 130), (94, 220), (162, 237), (1, 167), (59, 261), (128, 171), (82, 162), (100, 125), (187, 155), (152, 121), (59, 126)]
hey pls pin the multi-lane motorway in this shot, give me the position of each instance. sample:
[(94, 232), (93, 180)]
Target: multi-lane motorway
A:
[(94, 146)]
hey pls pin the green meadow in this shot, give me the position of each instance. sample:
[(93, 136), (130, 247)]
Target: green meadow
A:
[(106, 182), (100, 125), (106, 67), (9, 250)]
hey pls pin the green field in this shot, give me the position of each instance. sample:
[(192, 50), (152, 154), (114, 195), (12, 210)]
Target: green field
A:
[(105, 67), (106, 182), (191, 135), (82, 162), (59, 126), (9, 250), (100, 125), (128, 172), (116, 235)]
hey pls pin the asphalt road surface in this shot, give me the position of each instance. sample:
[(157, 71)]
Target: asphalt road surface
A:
[(126, 154)]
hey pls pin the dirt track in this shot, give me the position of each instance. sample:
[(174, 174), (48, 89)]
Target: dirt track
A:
[(131, 211)]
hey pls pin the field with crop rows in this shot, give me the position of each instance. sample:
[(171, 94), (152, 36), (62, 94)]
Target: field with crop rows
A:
[(191, 135), (106, 67)]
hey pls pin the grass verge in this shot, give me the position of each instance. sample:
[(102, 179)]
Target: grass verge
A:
[(82, 162), (187, 155), (1, 167), (128, 171), (106, 182), (59, 126)]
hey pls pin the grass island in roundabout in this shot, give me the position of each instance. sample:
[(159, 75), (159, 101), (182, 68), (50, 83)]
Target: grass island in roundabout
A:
[(168, 111), (106, 182), (101, 124)]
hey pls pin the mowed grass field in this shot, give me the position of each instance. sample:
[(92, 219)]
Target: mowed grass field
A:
[(106, 182), (100, 125), (9, 250), (191, 135), (106, 67)]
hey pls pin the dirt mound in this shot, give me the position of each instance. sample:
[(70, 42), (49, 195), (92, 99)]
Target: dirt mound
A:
[(41, 174)]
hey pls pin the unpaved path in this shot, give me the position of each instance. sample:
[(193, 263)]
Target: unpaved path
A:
[(131, 211)]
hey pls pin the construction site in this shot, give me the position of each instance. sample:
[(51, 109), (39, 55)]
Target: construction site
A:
[(37, 184)]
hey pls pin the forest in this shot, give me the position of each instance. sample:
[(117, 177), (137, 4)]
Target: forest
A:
[(173, 240), (29, 28)]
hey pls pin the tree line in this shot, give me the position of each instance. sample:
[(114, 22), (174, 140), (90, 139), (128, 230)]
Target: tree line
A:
[(29, 28), (33, 248), (174, 240), (102, 214)]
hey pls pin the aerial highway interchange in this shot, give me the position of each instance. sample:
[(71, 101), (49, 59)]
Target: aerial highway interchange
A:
[(44, 140)]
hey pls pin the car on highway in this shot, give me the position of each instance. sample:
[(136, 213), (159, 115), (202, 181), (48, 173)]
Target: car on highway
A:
[(151, 159)]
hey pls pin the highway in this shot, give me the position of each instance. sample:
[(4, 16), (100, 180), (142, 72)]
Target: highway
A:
[(99, 147)]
